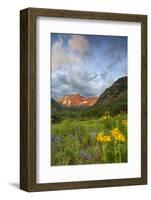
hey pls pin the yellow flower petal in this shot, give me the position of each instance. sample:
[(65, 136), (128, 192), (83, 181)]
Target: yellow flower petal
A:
[(118, 135)]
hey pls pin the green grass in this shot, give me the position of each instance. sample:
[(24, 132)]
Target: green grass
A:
[(84, 113), (74, 141)]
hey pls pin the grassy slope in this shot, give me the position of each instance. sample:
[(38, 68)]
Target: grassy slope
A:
[(74, 130), (74, 142), (114, 107), (113, 99), (93, 112)]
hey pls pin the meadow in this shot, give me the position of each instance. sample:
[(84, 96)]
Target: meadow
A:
[(89, 141)]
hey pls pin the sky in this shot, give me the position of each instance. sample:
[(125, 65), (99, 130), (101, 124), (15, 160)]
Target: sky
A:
[(86, 64)]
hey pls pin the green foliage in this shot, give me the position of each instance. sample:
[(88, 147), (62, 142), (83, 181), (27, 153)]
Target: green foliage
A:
[(74, 141), (87, 113), (114, 107), (56, 117)]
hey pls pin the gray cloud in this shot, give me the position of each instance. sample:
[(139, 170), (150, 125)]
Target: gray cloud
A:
[(78, 43), (77, 80), (60, 57), (104, 75), (117, 59), (77, 46), (116, 54)]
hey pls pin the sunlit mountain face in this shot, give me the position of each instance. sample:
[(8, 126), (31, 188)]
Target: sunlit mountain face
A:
[(77, 100)]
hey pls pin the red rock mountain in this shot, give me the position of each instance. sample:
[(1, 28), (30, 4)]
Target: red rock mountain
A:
[(77, 100)]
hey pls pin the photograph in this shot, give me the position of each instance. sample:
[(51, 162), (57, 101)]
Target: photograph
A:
[(89, 108), (83, 99)]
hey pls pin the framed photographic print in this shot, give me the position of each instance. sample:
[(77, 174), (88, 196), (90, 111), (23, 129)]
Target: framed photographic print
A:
[(83, 99)]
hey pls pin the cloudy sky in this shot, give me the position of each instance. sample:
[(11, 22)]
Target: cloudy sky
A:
[(86, 64)]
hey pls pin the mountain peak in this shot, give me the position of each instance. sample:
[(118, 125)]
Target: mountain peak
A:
[(115, 91), (77, 100), (77, 94), (121, 80)]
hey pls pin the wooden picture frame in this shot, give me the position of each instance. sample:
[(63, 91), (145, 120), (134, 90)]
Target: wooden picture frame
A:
[(28, 98)]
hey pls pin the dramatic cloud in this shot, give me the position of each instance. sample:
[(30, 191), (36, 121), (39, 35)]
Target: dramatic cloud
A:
[(81, 66), (60, 56), (78, 43)]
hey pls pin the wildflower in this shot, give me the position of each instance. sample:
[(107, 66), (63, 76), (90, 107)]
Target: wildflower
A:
[(107, 138), (124, 122), (78, 129), (118, 135), (103, 138), (85, 155), (56, 139), (106, 115), (99, 137)]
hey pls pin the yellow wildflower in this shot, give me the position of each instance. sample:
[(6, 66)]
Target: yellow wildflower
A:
[(106, 115), (103, 138), (107, 138), (99, 137), (118, 135)]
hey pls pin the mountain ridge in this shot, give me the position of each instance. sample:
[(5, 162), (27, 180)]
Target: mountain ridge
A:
[(77, 100), (116, 90), (113, 99)]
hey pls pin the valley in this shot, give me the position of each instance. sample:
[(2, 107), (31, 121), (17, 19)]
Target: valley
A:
[(93, 133)]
